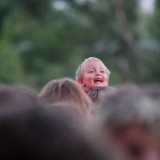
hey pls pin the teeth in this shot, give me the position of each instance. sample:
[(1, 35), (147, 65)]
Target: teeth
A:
[(98, 80)]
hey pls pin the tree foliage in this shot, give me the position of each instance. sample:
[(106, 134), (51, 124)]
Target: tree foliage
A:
[(42, 40)]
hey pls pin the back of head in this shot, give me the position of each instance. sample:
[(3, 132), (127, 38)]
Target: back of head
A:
[(66, 109), (16, 96), (39, 134), (97, 94), (66, 90), (131, 116), (129, 102)]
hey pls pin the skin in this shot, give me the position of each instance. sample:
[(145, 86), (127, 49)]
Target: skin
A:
[(94, 75), (136, 143)]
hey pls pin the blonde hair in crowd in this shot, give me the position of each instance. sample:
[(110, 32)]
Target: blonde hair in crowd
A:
[(66, 90)]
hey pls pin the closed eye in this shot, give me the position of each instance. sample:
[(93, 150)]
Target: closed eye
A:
[(90, 71), (102, 71)]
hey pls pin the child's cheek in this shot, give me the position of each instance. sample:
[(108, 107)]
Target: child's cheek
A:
[(90, 79)]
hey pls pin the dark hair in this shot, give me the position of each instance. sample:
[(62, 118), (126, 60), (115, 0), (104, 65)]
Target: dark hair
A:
[(39, 134), (12, 96), (98, 93)]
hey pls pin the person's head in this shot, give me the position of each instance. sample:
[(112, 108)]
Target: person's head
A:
[(68, 91), (66, 107), (13, 96), (92, 73), (39, 134), (131, 116), (97, 94)]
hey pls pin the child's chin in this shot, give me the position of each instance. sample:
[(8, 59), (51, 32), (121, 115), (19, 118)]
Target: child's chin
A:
[(100, 85)]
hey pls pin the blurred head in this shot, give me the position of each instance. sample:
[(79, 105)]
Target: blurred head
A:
[(67, 109), (131, 116), (16, 96), (68, 91), (44, 135), (97, 94), (92, 73)]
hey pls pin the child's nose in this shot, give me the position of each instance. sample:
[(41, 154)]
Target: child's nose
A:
[(98, 73)]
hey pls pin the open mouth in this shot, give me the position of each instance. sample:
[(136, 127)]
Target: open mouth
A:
[(98, 80)]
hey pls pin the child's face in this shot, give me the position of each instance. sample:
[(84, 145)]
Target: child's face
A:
[(94, 75)]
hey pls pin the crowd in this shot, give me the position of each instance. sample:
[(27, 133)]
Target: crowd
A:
[(81, 119)]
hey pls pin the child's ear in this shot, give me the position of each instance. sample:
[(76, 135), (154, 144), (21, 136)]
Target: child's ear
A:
[(80, 81)]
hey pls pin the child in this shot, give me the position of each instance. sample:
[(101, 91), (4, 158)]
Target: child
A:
[(92, 73)]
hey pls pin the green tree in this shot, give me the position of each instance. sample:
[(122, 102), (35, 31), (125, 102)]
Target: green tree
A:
[(51, 38)]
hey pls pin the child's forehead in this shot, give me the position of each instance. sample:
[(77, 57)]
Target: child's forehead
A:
[(93, 63)]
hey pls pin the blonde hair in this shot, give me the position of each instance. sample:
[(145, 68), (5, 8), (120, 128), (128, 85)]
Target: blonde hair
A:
[(79, 69), (66, 90)]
